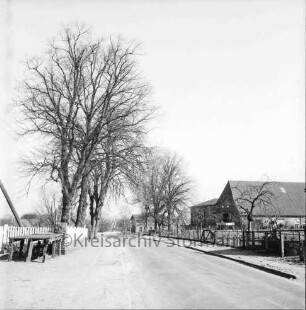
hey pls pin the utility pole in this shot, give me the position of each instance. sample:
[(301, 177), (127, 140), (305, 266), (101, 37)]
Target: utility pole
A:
[(10, 204)]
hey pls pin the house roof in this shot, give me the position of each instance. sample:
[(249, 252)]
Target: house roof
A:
[(210, 202), (289, 196), (30, 222), (139, 217), (135, 216)]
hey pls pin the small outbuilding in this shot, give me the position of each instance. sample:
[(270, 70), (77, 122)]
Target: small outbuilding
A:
[(140, 224)]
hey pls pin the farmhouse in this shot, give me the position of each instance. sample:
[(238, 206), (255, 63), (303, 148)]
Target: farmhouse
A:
[(287, 210), (200, 212), (140, 224)]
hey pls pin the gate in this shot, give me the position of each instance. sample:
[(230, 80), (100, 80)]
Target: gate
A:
[(208, 236)]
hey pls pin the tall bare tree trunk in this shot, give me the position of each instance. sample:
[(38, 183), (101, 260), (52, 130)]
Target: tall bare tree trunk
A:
[(81, 214), (96, 228), (249, 225), (93, 233), (250, 219), (67, 198), (169, 219), (92, 214), (97, 215)]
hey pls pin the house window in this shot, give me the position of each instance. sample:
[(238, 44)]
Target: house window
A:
[(225, 217)]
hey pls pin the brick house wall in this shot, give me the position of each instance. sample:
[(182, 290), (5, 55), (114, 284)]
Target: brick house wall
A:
[(225, 209)]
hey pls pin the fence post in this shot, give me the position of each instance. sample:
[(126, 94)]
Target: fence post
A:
[(222, 236), (299, 237), (282, 244), (5, 238), (238, 240), (64, 231), (302, 244), (1, 236), (266, 241), (253, 238), (243, 239), (247, 235), (302, 251)]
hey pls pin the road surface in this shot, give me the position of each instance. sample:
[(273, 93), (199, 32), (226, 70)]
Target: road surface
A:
[(129, 276)]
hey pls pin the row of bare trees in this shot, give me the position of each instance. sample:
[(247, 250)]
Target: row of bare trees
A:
[(164, 191), (88, 105)]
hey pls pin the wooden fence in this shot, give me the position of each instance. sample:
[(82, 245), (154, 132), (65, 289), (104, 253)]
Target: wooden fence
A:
[(13, 231), (283, 242)]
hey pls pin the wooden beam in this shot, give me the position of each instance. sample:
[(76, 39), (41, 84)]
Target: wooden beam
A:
[(10, 204), (30, 250)]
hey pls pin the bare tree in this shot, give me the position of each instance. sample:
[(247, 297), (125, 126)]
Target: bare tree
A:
[(149, 191), (114, 170), (176, 187), (70, 99), (255, 197), (164, 190), (49, 212)]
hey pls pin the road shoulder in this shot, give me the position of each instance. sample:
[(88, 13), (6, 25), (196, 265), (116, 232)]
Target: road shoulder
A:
[(284, 267)]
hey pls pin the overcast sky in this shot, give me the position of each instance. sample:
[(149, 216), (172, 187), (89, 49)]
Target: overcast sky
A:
[(229, 77)]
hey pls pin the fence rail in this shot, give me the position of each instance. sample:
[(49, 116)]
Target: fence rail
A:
[(12, 231), (283, 242)]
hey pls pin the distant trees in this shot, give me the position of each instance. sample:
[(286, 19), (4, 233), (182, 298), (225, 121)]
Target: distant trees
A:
[(8, 219), (149, 191), (49, 211), (87, 103), (250, 198), (164, 190), (176, 189)]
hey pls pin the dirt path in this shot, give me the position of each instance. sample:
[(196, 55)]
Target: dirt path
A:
[(84, 278)]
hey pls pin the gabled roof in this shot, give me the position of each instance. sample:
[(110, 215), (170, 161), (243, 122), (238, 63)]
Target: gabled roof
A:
[(210, 202), (135, 217), (139, 218), (289, 196), (30, 222)]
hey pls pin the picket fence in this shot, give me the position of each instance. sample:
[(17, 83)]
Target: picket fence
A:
[(7, 231), (13, 231)]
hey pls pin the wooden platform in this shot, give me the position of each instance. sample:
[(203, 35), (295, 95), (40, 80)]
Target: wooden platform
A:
[(42, 239)]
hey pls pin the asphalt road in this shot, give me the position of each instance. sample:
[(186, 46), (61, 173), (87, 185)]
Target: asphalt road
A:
[(129, 276)]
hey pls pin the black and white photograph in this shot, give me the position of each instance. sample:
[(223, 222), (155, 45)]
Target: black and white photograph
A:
[(152, 154)]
